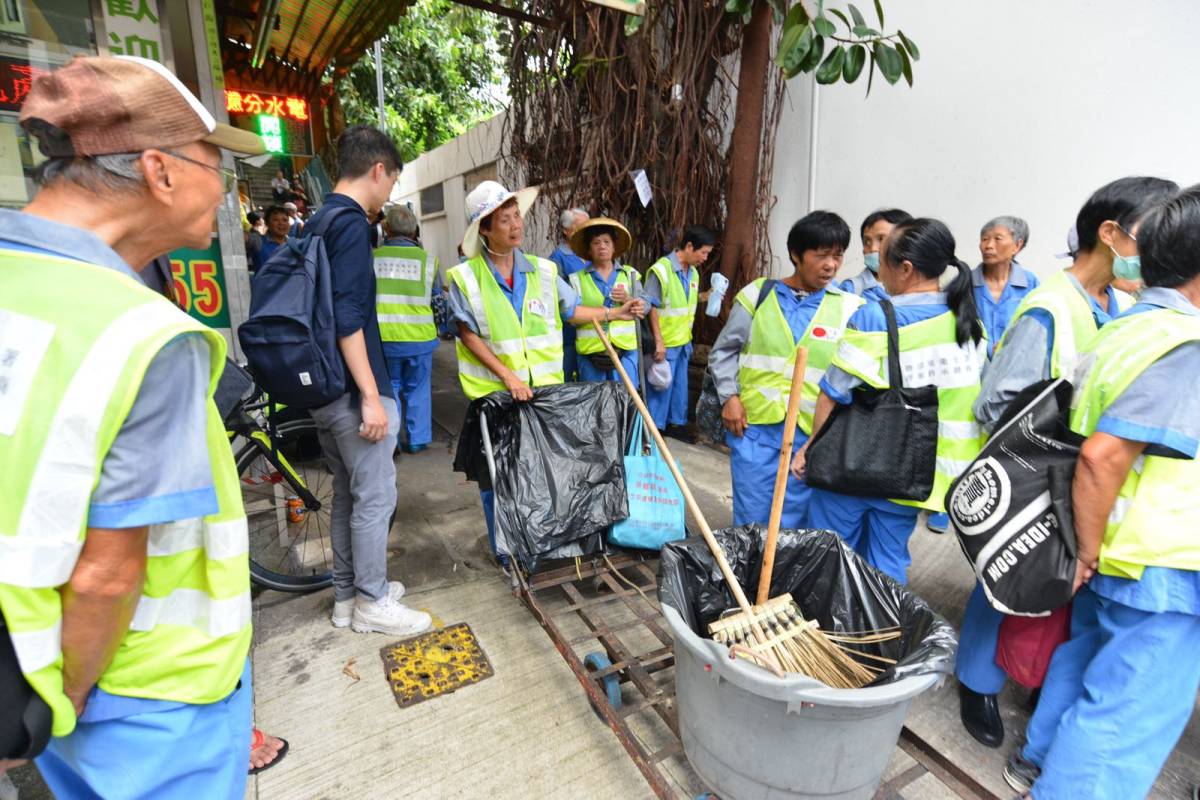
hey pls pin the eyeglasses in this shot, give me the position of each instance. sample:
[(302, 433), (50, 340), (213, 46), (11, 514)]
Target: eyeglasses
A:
[(227, 175)]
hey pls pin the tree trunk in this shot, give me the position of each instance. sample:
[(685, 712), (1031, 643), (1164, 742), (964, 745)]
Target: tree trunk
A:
[(739, 261)]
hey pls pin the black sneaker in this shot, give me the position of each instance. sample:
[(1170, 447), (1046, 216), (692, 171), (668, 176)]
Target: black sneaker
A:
[(681, 433), (1020, 773)]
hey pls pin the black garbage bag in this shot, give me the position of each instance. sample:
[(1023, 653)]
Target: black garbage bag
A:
[(1011, 509), (828, 580), (560, 468)]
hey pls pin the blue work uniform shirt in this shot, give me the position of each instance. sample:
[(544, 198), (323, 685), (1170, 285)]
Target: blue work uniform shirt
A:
[(407, 349), (269, 246), (866, 285), (460, 307), (1161, 408), (910, 309), (567, 262), (1025, 358), (798, 310), (352, 264), (136, 487), (995, 314)]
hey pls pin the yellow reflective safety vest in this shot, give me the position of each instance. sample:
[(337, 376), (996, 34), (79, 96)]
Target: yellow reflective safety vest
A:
[(404, 277), (530, 346), (622, 333), (1074, 322), (1153, 522), (929, 354), (75, 343), (768, 358), (678, 311)]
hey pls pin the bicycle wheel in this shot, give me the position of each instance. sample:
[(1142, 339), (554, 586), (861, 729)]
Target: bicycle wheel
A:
[(290, 545)]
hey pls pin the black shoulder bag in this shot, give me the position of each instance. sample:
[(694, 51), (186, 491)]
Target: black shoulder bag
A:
[(884, 444)]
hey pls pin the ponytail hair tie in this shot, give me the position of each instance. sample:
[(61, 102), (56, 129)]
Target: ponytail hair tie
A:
[(948, 276)]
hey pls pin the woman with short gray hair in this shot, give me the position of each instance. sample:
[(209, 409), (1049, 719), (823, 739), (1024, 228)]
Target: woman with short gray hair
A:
[(1000, 281)]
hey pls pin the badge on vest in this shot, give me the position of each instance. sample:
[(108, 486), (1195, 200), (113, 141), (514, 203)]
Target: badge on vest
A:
[(23, 344), (826, 333), (536, 306)]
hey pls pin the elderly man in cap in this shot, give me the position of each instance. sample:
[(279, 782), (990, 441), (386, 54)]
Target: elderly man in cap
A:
[(124, 582)]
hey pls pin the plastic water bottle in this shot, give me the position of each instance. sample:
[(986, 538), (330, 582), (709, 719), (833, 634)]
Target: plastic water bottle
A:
[(719, 284)]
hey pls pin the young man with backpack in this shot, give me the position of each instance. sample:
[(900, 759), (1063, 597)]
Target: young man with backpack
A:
[(358, 430)]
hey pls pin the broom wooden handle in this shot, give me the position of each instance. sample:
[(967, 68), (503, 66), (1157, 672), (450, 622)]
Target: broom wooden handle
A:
[(693, 507), (781, 476)]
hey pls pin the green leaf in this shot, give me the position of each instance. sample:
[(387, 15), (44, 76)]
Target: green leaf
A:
[(795, 16), (840, 16), (858, 17), (856, 56), (633, 23), (831, 69), (879, 12), (823, 26), (905, 65), (864, 32), (890, 64), (910, 46), (870, 75), (815, 52), (792, 53)]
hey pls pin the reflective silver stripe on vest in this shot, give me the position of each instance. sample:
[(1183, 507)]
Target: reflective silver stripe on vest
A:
[(950, 466), (1120, 508), (477, 371), (195, 609), (410, 319), (861, 361), (547, 275), (56, 504), (545, 368), (400, 300), (958, 430), (514, 346), (37, 649), (752, 291), (681, 311), (220, 540), (430, 277), (475, 298)]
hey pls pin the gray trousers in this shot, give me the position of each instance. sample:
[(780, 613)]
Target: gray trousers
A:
[(364, 496)]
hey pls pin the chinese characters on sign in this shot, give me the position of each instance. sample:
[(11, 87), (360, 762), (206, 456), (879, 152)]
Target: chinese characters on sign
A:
[(237, 102), (271, 131), (133, 29), (15, 79)]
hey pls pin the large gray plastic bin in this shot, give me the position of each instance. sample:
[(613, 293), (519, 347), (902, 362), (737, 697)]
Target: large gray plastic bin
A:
[(753, 736)]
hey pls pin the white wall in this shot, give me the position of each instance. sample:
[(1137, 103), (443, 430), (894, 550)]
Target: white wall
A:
[(1018, 108)]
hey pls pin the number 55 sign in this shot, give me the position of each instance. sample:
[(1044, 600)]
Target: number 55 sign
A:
[(199, 282)]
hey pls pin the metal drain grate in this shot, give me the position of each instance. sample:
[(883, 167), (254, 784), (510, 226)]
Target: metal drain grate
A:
[(434, 664)]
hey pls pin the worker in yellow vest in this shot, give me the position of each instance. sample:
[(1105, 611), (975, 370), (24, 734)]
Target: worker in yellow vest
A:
[(605, 283), (1049, 329), (1120, 692), (942, 344), (124, 580), (753, 358), (673, 291), (406, 281), (510, 306)]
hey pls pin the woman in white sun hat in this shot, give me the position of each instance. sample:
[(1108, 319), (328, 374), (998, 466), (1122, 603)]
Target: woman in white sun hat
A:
[(510, 306)]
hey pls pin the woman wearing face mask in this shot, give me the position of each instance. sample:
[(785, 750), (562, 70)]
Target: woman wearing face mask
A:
[(753, 359), (874, 232), (510, 306), (941, 344), (1052, 324), (605, 283), (1120, 691)]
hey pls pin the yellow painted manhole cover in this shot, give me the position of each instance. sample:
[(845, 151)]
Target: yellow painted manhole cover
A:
[(434, 664)]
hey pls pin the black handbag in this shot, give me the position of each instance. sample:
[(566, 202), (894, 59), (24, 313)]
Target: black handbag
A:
[(884, 443), (1011, 508), (26, 720)]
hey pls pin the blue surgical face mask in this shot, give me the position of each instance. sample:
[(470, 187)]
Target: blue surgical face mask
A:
[(1126, 268), (872, 261)]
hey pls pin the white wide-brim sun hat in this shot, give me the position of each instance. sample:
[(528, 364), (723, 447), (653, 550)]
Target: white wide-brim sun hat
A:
[(483, 200)]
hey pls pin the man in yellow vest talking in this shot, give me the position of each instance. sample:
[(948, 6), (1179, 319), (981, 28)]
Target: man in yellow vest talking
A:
[(124, 580), (406, 281)]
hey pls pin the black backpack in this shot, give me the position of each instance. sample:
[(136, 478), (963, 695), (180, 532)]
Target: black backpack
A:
[(290, 338)]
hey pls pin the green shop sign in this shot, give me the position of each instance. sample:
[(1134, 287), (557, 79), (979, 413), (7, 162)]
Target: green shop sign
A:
[(199, 279)]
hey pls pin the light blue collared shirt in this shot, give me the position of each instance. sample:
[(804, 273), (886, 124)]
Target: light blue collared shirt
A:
[(995, 314), (866, 285)]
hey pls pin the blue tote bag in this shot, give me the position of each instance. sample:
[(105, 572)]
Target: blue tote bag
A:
[(656, 507)]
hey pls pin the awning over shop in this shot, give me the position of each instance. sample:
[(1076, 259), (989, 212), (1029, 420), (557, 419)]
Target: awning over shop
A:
[(289, 44)]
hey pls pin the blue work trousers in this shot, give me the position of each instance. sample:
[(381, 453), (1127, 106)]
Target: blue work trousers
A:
[(976, 665), (753, 461), (875, 528), (412, 388), (589, 373), (1116, 700), (135, 748), (670, 406)]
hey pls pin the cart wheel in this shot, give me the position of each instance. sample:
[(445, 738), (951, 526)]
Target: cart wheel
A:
[(612, 684)]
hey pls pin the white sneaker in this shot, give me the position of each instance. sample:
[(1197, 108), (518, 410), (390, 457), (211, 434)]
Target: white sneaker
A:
[(388, 616), (343, 610)]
